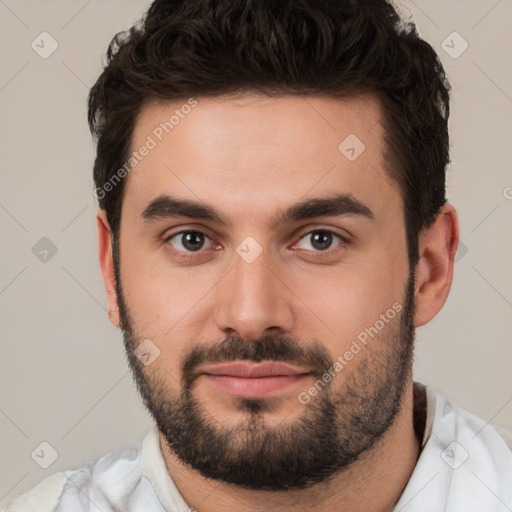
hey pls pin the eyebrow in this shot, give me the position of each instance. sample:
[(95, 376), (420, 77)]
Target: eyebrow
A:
[(165, 206)]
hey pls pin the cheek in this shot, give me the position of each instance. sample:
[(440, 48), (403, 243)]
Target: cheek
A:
[(162, 299), (347, 300)]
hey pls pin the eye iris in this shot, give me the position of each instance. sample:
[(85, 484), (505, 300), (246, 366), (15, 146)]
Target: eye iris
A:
[(192, 241), (321, 240)]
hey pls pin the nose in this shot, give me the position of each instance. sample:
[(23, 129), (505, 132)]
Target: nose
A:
[(253, 300)]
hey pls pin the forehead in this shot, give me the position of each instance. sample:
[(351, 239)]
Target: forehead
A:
[(252, 151)]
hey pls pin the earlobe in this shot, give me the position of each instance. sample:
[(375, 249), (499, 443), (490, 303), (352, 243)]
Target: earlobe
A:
[(107, 265), (434, 271)]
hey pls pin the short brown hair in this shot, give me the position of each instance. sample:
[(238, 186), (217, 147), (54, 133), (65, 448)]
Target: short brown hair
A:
[(185, 48)]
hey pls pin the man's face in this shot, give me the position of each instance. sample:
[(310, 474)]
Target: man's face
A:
[(309, 289)]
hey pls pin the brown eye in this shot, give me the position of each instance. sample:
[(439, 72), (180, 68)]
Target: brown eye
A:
[(319, 240), (189, 241)]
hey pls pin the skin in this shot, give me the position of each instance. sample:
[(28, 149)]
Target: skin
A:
[(250, 157)]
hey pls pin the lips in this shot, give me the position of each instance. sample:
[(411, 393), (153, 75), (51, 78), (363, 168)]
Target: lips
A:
[(255, 380), (267, 369)]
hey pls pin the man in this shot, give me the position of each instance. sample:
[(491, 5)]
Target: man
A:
[(273, 226)]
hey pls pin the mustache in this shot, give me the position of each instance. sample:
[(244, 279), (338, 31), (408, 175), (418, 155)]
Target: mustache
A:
[(267, 348)]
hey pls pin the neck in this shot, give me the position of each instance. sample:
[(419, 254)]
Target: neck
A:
[(381, 473)]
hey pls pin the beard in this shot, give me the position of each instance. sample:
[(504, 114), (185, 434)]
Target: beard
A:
[(336, 428)]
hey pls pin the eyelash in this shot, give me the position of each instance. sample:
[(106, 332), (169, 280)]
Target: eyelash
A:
[(316, 254)]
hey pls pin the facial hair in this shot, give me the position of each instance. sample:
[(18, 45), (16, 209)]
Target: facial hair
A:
[(337, 427)]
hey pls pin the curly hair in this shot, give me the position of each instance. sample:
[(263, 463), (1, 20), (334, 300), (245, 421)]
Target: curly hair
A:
[(333, 48)]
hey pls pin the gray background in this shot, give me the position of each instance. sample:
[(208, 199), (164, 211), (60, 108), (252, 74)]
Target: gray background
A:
[(64, 379)]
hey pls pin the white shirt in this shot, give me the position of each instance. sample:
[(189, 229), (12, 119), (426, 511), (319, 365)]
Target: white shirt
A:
[(465, 466)]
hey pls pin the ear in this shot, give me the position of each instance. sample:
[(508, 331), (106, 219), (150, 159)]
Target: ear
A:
[(107, 265), (434, 271)]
